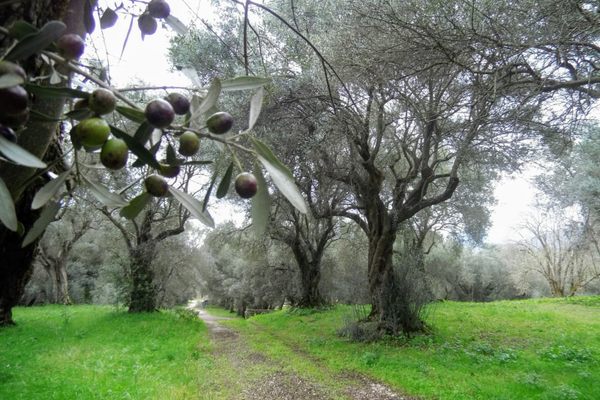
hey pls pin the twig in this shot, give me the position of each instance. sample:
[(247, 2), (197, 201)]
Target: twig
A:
[(246, 37), (76, 69)]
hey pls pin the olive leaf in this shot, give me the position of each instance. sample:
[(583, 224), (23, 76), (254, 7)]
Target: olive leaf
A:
[(108, 19), (131, 114), (261, 203), (49, 190), (88, 15), (39, 226), (193, 206), (142, 153), (57, 92), (144, 132), (209, 191), (10, 80), (255, 107), (244, 83), (8, 215), (19, 155), (37, 41), (20, 29), (39, 116), (172, 156), (225, 182), (175, 24), (135, 206), (280, 174), (210, 101), (104, 195), (80, 114)]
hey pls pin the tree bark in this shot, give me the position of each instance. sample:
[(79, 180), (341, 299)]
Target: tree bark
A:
[(36, 138), (16, 266), (310, 275), (142, 297), (308, 257), (62, 282), (382, 236)]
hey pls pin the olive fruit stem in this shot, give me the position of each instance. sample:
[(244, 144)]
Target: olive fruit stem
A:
[(235, 158), (76, 69)]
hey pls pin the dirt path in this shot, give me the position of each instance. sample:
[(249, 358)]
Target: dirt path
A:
[(258, 377)]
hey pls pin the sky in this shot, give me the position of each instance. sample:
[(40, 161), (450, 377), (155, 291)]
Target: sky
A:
[(516, 197), (147, 60)]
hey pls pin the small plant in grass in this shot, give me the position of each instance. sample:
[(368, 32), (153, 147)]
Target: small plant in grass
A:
[(568, 354), (370, 358), (562, 392), (533, 379), (483, 351), (357, 328)]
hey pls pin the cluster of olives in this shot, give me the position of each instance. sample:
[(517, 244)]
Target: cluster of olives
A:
[(156, 9), (245, 185), (160, 114), (93, 133), (14, 102)]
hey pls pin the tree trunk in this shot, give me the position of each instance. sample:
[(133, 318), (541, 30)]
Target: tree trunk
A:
[(395, 302), (17, 261), (142, 297), (381, 249), (310, 274), (62, 282)]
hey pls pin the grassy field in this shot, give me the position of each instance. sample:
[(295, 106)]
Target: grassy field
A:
[(92, 352), (533, 349)]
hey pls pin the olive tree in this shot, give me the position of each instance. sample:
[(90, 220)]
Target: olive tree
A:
[(55, 249), (417, 94)]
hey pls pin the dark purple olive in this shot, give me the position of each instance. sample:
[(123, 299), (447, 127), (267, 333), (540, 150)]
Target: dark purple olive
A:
[(156, 185), (159, 113), (147, 24), (180, 103), (246, 185), (71, 46), (13, 100), (159, 9), (219, 123), (8, 133)]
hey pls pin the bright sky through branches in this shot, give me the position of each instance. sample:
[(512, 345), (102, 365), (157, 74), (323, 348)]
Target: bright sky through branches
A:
[(147, 61)]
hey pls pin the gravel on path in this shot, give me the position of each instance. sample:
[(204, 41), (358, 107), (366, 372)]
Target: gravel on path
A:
[(284, 384)]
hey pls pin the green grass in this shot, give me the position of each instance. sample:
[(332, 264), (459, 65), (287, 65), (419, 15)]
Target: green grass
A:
[(534, 349), (92, 352), (220, 312)]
